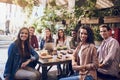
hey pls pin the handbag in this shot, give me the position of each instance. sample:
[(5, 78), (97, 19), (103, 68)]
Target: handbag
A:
[(88, 77)]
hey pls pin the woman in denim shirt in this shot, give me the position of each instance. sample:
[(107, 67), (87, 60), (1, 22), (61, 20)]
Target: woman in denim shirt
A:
[(20, 58), (48, 38)]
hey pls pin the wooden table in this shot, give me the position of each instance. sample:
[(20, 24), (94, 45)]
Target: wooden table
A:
[(45, 63)]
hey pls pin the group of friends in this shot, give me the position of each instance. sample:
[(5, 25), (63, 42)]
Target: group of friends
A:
[(87, 60)]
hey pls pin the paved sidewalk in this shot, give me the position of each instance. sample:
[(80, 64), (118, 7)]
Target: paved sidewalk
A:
[(3, 58)]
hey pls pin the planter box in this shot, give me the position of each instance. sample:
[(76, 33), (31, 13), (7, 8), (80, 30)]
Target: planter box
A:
[(89, 20), (107, 19), (112, 19)]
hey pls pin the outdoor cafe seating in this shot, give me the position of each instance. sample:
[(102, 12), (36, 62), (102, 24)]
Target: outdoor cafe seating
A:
[(49, 59)]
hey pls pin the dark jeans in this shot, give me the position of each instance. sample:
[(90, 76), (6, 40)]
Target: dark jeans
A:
[(32, 64), (106, 77), (67, 69), (59, 69), (70, 69), (75, 76)]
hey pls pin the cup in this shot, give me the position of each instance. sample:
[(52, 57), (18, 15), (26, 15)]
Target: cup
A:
[(54, 57)]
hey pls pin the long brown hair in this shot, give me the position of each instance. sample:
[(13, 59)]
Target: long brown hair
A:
[(90, 38), (60, 37), (18, 42), (50, 37)]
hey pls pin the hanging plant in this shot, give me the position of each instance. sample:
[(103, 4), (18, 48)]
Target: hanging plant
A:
[(24, 3), (85, 8), (27, 5)]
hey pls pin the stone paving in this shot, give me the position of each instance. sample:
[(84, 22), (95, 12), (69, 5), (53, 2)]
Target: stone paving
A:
[(3, 58)]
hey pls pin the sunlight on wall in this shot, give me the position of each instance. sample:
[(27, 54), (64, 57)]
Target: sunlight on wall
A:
[(13, 13), (2, 16), (16, 16)]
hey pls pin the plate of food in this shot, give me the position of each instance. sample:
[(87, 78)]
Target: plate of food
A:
[(45, 56), (62, 48)]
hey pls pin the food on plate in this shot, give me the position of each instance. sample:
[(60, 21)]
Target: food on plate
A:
[(43, 54), (69, 51), (62, 48), (58, 48), (54, 52)]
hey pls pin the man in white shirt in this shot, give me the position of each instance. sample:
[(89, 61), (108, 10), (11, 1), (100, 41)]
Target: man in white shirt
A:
[(108, 55)]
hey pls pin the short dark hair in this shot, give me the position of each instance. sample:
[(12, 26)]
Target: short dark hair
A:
[(105, 26)]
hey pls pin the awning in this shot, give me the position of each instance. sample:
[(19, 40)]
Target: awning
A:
[(6, 1), (100, 4)]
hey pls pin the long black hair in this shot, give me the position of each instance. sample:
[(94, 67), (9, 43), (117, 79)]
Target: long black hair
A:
[(90, 38), (18, 42)]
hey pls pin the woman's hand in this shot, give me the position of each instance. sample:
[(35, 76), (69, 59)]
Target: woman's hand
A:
[(74, 63), (101, 65), (82, 68), (36, 49), (24, 64)]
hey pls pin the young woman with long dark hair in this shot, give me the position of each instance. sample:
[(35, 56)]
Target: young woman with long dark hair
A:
[(20, 58), (85, 56)]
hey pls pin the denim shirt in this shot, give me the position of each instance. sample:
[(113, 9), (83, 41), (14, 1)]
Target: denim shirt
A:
[(42, 44), (14, 62)]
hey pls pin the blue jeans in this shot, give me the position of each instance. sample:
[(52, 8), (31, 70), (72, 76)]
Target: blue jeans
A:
[(71, 78)]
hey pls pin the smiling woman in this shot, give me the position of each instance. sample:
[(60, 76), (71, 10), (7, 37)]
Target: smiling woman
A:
[(21, 58)]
